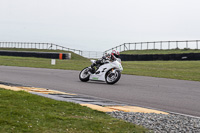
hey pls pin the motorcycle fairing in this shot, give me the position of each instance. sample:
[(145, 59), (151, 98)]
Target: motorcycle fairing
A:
[(103, 69)]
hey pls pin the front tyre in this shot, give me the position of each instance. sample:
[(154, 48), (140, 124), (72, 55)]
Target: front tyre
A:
[(84, 75), (112, 77)]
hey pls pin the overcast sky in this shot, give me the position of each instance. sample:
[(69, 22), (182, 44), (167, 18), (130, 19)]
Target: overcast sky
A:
[(98, 25)]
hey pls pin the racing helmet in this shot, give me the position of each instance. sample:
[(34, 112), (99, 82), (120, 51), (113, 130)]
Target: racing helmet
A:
[(115, 53)]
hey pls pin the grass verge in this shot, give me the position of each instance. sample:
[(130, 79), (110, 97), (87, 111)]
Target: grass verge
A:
[(184, 70), (25, 112), (74, 64)]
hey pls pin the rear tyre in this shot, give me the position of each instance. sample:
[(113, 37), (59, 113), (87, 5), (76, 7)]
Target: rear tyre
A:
[(84, 75), (112, 78)]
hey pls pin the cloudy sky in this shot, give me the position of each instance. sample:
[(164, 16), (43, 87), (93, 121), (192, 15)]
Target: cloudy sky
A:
[(98, 25)]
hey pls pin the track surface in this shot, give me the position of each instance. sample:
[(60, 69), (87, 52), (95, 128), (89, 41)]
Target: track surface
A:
[(164, 94)]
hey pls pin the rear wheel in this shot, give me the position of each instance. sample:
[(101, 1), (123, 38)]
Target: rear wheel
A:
[(84, 75), (112, 77)]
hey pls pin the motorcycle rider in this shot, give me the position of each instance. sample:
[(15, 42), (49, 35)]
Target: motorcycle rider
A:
[(111, 57)]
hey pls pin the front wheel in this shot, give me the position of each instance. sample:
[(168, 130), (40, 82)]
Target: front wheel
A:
[(112, 77), (84, 75)]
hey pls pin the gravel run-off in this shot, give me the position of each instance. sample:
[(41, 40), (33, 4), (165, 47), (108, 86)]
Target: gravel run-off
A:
[(161, 123)]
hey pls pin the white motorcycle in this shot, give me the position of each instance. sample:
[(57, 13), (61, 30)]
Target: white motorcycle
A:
[(110, 72)]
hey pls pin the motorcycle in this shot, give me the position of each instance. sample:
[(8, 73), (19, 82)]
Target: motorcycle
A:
[(109, 72)]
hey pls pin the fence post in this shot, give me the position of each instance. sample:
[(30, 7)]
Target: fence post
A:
[(197, 43), (129, 46), (125, 47), (186, 44), (154, 46), (147, 45), (161, 45), (168, 44), (141, 45), (135, 46)]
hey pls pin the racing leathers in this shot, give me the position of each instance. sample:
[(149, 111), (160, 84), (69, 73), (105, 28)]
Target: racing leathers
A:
[(100, 62)]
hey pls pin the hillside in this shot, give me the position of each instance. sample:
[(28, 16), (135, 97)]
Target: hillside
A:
[(73, 55)]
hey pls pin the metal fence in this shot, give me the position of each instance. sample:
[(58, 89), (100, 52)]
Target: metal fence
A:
[(92, 54), (49, 46), (162, 45)]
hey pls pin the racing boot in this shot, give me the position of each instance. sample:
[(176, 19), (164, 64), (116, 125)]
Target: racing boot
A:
[(92, 70)]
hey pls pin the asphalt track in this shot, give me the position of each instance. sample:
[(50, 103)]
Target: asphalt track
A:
[(164, 94)]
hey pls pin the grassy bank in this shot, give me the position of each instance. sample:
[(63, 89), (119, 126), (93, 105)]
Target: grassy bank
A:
[(173, 51), (25, 112), (184, 70), (74, 64), (77, 62), (74, 56)]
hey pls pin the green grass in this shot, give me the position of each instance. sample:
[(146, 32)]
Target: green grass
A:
[(173, 51), (25, 112), (73, 64), (77, 62), (184, 70)]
